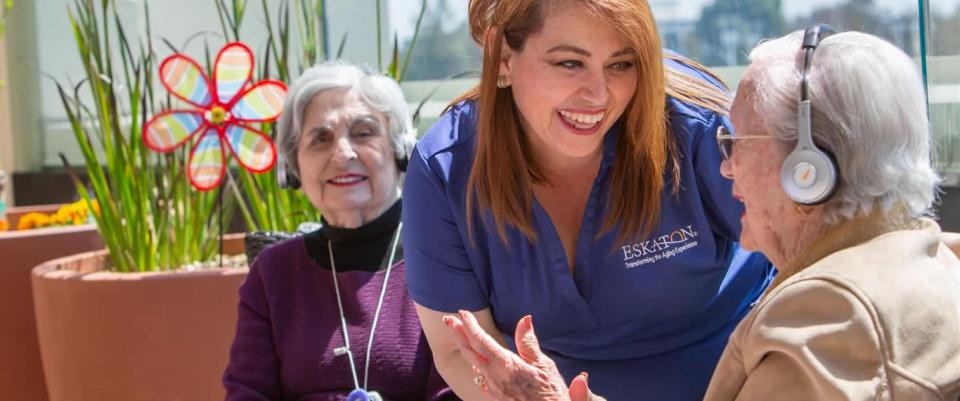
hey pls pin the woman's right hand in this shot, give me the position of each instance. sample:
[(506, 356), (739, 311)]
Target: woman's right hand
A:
[(503, 375), (451, 364)]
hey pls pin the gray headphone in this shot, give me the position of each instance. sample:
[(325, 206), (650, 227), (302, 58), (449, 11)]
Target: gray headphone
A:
[(809, 175), (286, 179)]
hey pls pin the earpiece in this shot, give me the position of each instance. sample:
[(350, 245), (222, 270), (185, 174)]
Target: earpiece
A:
[(284, 178), (809, 175), (407, 142), (402, 163)]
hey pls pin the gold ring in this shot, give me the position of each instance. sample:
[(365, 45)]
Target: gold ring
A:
[(479, 379)]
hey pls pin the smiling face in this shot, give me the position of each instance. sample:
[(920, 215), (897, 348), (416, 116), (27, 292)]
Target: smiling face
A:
[(345, 158), (754, 168), (571, 81)]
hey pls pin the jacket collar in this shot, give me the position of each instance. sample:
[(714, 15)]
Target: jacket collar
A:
[(847, 234)]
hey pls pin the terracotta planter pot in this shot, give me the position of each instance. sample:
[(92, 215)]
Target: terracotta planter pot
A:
[(21, 371), (108, 336)]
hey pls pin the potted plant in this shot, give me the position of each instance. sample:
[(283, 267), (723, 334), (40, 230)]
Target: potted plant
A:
[(151, 316)]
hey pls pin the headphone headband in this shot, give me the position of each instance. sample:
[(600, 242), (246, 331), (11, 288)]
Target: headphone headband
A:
[(811, 39)]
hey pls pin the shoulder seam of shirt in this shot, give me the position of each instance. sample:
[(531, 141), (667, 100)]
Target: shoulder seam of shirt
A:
[(702, 114), (705, 117)]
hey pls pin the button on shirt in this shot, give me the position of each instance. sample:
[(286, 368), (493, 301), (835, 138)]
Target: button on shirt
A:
[(647, 318)]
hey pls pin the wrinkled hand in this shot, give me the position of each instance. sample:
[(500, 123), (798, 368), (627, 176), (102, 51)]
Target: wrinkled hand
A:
[(528, 375), (580, 391)]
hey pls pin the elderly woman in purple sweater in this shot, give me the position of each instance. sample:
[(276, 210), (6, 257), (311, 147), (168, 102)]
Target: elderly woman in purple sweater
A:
[(326, 316)]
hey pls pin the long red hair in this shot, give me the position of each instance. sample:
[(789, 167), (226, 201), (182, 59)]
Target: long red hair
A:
[(645, 149)]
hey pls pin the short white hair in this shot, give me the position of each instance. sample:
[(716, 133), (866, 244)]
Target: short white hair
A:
[(868, 110), (381, 93)]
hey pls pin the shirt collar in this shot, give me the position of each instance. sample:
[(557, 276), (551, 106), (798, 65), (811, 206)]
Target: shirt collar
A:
[(382, 226), (847, 234)]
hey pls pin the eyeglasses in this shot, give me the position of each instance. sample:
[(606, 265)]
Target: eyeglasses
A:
[(725, 141)]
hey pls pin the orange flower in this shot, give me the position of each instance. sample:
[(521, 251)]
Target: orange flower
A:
[(61, 217), (33, 220), (94, 205), (74, 213)]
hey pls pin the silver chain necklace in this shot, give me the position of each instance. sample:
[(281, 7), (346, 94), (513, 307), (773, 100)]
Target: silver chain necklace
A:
[(361, 393)]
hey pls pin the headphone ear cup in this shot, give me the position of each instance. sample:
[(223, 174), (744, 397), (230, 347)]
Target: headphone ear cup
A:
[(809, 176), (294, 181), (285, 179)]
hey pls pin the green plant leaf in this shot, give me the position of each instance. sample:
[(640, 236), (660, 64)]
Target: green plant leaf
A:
[(343, 43), (413, 41), (150, 219), (393, 68)]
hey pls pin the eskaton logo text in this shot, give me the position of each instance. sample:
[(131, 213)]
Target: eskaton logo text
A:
[(659, 248)]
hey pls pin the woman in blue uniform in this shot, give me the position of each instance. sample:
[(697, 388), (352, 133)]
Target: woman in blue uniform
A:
[(579, 183)]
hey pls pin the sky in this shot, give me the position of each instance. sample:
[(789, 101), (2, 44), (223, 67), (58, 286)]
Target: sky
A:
[(403, 13)]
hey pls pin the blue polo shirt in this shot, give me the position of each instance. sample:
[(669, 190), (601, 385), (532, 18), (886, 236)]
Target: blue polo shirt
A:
[(647, 318)]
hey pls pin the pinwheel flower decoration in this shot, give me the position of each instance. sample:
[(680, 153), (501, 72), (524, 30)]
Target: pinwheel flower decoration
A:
[(224, 109)]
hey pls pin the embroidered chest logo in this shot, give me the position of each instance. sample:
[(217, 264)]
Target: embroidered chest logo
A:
[(659, 248)]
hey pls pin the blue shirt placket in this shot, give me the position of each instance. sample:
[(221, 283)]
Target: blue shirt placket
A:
[(575, 287)]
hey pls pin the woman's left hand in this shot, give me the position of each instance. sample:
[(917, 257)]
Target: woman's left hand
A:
[(502, 374)]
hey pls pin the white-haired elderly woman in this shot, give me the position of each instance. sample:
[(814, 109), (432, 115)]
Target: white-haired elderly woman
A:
[(866, 303), (326, 316)]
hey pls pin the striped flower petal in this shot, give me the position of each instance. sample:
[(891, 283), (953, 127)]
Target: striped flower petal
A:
[(206, 166), (232, 70), (184, 78), (170, 129), (263, 102), (253, 149)]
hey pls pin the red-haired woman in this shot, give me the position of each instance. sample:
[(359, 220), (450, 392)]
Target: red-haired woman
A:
[(579, 184)]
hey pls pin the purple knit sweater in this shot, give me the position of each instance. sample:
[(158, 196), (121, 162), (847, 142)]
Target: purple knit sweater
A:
[(289, 325)]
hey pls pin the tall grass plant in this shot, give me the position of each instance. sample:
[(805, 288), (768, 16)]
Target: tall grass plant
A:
[(149, 217)]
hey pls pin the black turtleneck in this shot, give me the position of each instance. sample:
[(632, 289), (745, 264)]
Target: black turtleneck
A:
[(365, 248)]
